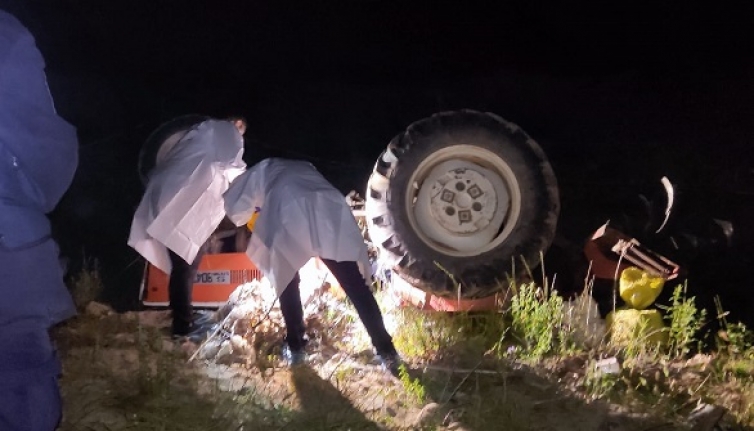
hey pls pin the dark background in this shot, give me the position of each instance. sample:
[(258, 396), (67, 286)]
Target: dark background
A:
[(617, 93)]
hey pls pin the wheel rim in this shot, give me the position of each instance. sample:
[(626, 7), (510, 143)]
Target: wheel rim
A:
[(463, 200)]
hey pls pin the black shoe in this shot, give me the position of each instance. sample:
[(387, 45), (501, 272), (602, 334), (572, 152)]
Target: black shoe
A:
[(391, 362), (293, 357), (202, 317), (197, 334)]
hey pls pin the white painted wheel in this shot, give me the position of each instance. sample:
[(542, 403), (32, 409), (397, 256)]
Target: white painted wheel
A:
[(464, 194), (460, 202)]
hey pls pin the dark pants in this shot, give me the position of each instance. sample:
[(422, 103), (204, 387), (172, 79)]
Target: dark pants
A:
[(355, 287), (30, 406), (180, 288), (29, 394)]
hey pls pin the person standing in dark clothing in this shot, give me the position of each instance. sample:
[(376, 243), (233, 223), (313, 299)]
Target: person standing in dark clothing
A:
[(38, 159)]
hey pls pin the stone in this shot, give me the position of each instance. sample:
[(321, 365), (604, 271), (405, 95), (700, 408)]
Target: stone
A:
[(98, 309)]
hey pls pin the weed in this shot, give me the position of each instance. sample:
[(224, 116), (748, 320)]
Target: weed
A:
[(341, 375), (742, 368), (735, 338), (120, 375), (685, 321), (583, 328), (432, 335), (537, 319), (420, 334), (601, 385), (413, 386), (636, 336), (739, 338), (86, 286), (136, 375)]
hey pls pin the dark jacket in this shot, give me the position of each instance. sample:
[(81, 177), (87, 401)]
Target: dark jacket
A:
[(38, 158)]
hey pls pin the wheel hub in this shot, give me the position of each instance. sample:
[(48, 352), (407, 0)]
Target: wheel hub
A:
[(463, 201), (461, 205)]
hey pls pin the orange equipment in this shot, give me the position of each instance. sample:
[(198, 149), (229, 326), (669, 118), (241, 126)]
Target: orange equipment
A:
[(217, 277)]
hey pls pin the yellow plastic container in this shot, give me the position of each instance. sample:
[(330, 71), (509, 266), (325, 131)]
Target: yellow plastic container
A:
[(626, 325), (639, 288)]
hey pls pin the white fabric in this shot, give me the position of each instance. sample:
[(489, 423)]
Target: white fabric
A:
[(302, 216), (183, 201)]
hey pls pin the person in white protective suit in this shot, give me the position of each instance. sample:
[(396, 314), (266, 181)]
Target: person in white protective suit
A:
[(183, 205), (301, 215)]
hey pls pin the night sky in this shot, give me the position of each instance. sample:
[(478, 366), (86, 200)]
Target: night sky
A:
[(617, 93)]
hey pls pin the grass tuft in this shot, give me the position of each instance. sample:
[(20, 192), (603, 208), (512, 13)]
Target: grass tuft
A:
[(86, 286), (476, 369)]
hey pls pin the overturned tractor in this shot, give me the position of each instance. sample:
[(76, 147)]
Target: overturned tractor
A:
[(457, 205)]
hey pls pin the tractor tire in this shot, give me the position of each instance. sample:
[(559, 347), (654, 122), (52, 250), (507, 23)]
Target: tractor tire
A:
[(460, 203), (163, 138)]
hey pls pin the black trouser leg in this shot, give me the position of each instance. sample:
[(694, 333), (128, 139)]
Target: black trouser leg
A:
[(293, 314), (180, 288), (353, 284)]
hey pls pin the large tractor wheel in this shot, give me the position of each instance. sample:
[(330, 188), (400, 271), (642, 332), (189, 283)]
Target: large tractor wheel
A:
[(459, 201)]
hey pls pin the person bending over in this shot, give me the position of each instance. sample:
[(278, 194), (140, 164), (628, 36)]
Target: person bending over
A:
[(183, 205), (301, 215)]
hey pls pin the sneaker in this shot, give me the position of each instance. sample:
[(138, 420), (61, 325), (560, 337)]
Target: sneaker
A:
[(197, 334), (293, 357), (391, 363), (202, 317)]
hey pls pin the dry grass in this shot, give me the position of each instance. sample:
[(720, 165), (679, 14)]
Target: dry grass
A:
[(484, 370)]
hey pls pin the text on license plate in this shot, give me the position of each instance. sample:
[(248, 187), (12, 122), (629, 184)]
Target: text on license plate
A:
[(213, 277)]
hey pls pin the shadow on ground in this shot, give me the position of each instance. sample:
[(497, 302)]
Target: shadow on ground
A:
[(324, 406)]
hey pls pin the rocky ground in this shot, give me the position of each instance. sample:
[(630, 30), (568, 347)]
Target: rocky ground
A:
[(122, 371)]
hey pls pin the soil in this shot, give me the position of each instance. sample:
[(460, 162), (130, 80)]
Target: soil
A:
[(338, 388)]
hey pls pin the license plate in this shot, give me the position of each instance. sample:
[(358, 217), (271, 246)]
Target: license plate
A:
[(213, 277)]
